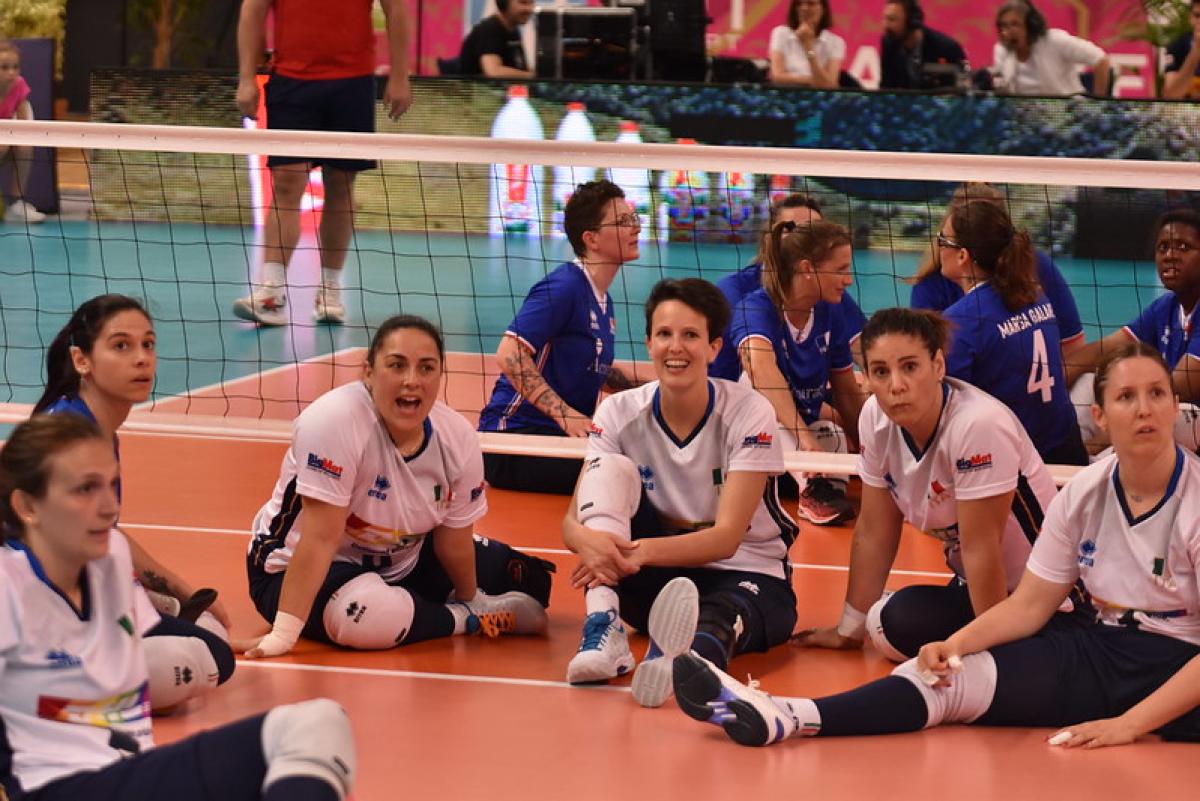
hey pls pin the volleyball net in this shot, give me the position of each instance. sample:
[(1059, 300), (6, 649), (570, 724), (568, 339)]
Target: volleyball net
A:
[(457, 229)]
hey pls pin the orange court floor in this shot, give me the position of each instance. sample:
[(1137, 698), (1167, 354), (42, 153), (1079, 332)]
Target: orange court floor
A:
[(470, 718)]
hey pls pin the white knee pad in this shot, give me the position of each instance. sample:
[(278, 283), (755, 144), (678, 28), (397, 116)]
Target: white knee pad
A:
[(876, 633), (1083, 395), (969, 695), (312, 738), (830, 436), (369, 614), (1187, 427), (208, 621), (609, 493), (179, 668)]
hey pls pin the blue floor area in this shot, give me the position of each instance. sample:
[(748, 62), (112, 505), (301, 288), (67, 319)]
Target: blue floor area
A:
[(470, 285)]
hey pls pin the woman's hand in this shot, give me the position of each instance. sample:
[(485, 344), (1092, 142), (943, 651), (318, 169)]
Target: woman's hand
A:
[(806, 35), (825, 638), (278, 641), (604, 558), (1097, 734), (937, 662)]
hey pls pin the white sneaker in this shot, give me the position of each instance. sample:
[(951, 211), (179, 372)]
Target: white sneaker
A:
[(747, 714), (510, 613), (672, 628), (603, 652), (328, 307), (21, 211), (264, 306)]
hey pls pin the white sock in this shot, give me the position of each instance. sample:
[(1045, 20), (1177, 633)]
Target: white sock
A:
[(461, 613), (331, 277), (805, 711), (601, 599), (273, 275)]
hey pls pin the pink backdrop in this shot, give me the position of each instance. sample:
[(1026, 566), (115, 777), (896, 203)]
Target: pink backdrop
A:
[(743, 27)]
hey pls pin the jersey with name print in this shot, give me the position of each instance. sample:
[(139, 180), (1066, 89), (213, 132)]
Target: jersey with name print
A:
[(1137, 571), (937, 292), (1164, 325), (1015, 357), (73, 687), (683, 478), (571, 335), (807, 358), (978, 450), (342, 454), (738, 285)]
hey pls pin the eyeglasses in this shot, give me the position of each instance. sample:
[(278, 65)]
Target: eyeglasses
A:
[(1179, 246), (629, 220), (944, 241)]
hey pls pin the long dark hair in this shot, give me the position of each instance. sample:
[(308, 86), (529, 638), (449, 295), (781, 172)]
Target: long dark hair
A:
[(1035, 23), (826, 21), (80, 332), (1006, 254), (401, 321), (24, 460), (928, 327)]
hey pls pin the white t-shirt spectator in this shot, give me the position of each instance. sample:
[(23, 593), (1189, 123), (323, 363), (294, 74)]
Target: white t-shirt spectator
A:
[(829, 47), (1051, 69)]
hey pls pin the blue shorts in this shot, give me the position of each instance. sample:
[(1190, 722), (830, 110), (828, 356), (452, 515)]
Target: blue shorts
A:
[(224, 764), (342, 104)]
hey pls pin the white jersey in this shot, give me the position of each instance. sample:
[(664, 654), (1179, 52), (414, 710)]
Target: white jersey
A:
[(683, 478), (1141, 571), (978, 450), (342, 454), (73, 689)]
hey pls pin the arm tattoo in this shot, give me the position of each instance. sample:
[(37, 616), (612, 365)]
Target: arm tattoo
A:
[(617, 381), (155, 583), (529, 381)]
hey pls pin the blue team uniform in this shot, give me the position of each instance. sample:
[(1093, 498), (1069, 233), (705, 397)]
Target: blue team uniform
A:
[(738, 285), (1014, 356), (1164, 325), (73, 404), (939, 293), (806, 365), (572, 340)]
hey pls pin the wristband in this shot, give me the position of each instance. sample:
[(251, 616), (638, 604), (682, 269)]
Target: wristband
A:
[(283, 635), (853, 624)]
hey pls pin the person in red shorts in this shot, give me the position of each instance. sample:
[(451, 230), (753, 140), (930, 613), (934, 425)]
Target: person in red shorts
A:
[(322, 78)]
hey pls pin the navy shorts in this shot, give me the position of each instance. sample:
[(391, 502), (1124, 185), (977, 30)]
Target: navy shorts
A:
[(224, 764), (342, 104)]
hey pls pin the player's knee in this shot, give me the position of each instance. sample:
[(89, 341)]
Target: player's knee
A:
[(723, 620), (830, 436), (312, 739), (609, 493), (502, 568), (179, 669), (969, 695), (879, 634), (1187, 426), (368, 614)]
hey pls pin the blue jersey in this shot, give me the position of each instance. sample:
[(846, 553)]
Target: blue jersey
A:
[(1015, 357), (738, 285), (571, 337), (73, 404), (939, 293), (807, 360), (1164, 325)]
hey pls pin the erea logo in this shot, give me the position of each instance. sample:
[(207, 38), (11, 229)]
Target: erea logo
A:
[(323, 465), (975, 462), (760, 440)]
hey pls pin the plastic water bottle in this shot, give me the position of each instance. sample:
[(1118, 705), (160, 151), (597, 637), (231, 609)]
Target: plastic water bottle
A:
[(574, 127), (684, 202), (514, 196), (735, 191), (635, 181)]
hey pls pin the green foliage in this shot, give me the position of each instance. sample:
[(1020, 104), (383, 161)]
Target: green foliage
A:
[(35, 19)]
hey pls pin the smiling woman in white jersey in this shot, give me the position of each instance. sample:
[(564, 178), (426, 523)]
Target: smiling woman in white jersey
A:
[(678, 497), (952, 461), (74, 705), (1126, 532), (369, 529)]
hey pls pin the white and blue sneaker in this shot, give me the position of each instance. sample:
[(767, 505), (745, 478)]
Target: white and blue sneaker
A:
[(747, 714), (672, 627), (603, 652)]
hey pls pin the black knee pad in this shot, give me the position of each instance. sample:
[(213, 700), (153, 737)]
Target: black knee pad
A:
[(501, 568), (719, 613)]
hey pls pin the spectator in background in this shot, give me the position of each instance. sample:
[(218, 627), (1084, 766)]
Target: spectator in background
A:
[(1033, 59), (493, 47), (805, 52), (907, 46), (1181, 77), (322, 78), (14, 105)]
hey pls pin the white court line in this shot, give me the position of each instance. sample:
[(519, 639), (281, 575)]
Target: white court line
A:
[(417, 674), (549, 551)]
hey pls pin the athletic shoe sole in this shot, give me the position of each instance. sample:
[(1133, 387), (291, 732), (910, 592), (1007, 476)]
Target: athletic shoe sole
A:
[(672, 628), (696, 685), (246, 311)]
